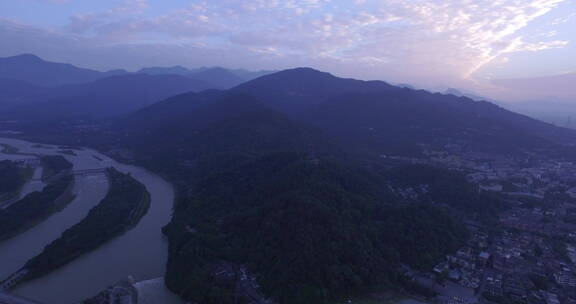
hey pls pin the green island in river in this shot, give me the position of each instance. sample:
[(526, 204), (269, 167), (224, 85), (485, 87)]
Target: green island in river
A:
[(35, 207), (126, 202), (54, 165)]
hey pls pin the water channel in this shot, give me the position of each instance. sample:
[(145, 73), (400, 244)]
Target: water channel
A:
[(140, 253)]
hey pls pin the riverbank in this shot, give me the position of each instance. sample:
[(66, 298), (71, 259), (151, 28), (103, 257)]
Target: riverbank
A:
[(141, 252), (35, 207), (9, 149), (54, 165), (124, 289), (153, 291), (125, 204)]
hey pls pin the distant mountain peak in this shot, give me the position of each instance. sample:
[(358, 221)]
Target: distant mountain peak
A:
[(33, 69), (27, 57), (298, 75), (304, 71)]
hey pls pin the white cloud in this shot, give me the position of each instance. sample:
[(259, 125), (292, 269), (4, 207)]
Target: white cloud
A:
[(534, 47), (397, 39)]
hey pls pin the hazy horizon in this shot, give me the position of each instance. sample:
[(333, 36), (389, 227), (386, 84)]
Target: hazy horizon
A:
[(429, 44)]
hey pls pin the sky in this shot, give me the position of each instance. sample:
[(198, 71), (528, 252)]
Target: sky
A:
[(428, 43)]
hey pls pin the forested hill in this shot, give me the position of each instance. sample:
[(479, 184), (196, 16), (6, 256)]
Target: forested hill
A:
[(310, 230), (380, 117), (229, 127), (272, 177), (298, 89), (262, 190), (374, 118)]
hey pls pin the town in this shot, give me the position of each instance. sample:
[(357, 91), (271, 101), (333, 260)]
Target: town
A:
[(525, 256)]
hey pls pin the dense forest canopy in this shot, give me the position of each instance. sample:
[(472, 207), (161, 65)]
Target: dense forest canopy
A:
[(123, 206), (54, 165), (312, 231), (447, 187), (34, 207)]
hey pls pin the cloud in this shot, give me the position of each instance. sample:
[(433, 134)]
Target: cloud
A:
[(395, 39), (534, 47), (562, 20), (92, 52)]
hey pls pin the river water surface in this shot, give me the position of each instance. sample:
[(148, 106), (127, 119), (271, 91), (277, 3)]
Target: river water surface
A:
[(140, 253)]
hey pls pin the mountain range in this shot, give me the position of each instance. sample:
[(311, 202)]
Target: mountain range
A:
[(296, 179), (222, 78), (104, 97), (32, 88), (33, 69), (369, 117)]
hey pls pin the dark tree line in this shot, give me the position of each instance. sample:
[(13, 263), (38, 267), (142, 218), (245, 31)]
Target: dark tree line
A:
[(34, 207), (125, 204), (313, 232), (54, 164)]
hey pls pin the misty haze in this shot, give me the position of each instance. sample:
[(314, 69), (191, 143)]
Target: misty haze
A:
[(287, 152)]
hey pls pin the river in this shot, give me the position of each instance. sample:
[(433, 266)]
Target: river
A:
[(140, 253)]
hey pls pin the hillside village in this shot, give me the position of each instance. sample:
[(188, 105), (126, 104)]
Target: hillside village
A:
[(529, 255)]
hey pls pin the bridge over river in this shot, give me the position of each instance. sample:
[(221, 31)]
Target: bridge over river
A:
[(89, 172), (140, 252)]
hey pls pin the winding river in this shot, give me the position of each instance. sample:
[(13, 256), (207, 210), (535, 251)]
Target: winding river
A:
[(140, 253)]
